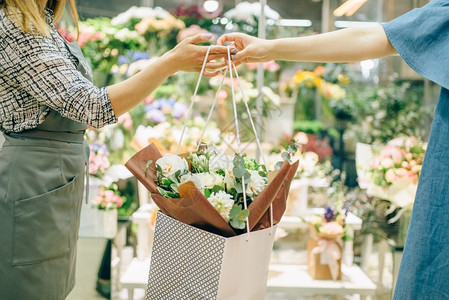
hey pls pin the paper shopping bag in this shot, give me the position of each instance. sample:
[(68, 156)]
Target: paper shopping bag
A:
[(191, 263)]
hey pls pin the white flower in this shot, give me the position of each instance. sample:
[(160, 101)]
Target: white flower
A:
[(199, 162), (256, 185), (170, 164), (223, 203), (122, 34), (229, 178), (308, 161), (139, 13), (207, 180)]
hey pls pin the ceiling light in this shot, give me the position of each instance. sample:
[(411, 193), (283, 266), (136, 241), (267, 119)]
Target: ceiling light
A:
[(211, 6)]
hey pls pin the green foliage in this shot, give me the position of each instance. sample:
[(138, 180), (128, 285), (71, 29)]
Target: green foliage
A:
[(238, 217), (147, 166), (388, 112)]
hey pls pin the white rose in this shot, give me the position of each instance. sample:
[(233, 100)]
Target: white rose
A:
[(223, 203), (170, 164), (207, 180), (256, 185)]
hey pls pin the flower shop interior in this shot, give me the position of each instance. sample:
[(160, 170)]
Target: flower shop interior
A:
[(358, 132)]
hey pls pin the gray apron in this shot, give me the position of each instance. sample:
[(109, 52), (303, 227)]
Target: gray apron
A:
[(41, 189)]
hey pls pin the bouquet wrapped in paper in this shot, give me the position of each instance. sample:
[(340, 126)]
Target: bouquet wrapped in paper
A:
[(324, 247), (395, 173), (205, 189)]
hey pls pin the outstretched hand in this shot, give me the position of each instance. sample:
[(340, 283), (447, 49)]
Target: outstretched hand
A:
[(189, 57), (250, 49)]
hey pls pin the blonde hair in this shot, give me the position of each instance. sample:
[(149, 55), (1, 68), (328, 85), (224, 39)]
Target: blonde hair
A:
[(30, 14)]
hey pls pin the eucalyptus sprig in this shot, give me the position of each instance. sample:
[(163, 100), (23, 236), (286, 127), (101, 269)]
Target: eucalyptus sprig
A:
[(292, 149)]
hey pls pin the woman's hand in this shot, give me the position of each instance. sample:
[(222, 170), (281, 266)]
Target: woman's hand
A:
[(189, 57), (250, 49)]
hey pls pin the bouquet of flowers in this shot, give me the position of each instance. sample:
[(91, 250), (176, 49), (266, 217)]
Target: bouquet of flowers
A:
[(331, 224), (107, 199), (218, 177), (206, 189), (98, 159), (325, 245), (395, 171)]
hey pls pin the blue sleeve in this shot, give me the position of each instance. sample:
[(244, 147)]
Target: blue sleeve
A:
[(421, 37)]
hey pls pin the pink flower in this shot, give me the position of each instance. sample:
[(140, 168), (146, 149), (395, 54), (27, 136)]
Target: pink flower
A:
[(390, 176), (191, 31), (270, 66), (118, 200), (149, 100), (126, 120), (395, 153), (416, 168), (98, 200), (332, 228), (387, 163), (222, 95), (401, 172), (413, 178)]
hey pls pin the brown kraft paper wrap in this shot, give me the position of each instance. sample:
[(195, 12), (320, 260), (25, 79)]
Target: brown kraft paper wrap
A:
[(280, 201), (330, 246), (194, 209)]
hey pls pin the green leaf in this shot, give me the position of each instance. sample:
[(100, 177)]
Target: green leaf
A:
[(278, 165), (247, 177), (147, 166), (292, 149), (174, 187), (238, 217), (285, 155), (207, 193), (238, 188), (217, 188), (293, 141), (239, 161), (239, 171), (167, 194)]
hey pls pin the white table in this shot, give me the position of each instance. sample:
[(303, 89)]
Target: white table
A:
[(135, 276), (295, 279)]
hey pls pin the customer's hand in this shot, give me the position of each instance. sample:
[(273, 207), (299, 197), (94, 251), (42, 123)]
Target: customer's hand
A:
[(189, 57), (250, 49)]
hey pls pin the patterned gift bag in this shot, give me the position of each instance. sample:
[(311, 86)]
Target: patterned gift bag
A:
[(190, 263)]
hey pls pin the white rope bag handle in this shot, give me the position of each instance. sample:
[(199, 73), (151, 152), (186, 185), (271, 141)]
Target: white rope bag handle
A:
[(232, 68)]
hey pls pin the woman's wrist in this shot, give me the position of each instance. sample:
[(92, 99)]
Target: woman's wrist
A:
[(170, 66)]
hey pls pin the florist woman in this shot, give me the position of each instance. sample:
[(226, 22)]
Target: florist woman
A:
[(47, 100), (421, 37)]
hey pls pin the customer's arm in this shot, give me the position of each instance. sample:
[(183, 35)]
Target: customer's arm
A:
[(346, 45)]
